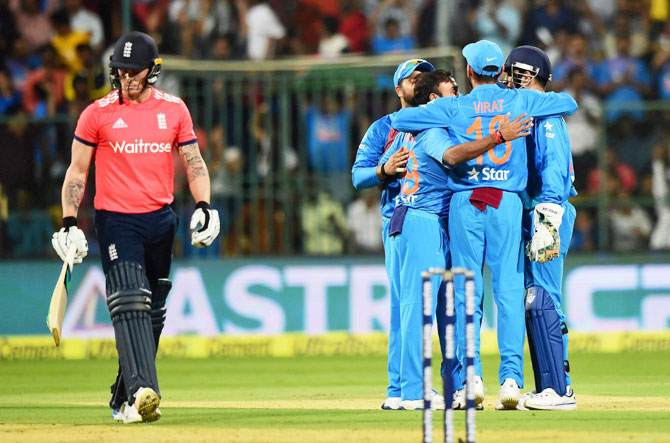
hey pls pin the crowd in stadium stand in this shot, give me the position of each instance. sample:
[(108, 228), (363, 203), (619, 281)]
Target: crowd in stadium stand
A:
[(603, 52)]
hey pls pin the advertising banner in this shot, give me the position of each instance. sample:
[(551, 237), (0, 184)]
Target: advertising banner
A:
[(268, 297)]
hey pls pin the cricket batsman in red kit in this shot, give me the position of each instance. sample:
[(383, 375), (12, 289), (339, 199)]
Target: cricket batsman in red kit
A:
[(131, 133)]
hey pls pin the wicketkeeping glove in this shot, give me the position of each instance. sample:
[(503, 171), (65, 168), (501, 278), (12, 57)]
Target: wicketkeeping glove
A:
[(545, 244), (68, 235), (205, 224)]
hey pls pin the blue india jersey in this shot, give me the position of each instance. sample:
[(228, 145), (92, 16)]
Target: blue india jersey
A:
[(425, 184), (478, 114), (550, 169), (377, 139)]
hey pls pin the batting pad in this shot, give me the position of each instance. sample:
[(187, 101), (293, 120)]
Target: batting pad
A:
[(545, 341), (129, 302), (159, 290)]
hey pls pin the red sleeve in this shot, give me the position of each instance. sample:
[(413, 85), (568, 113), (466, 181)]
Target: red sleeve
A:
[(87, 127), (185, 133)]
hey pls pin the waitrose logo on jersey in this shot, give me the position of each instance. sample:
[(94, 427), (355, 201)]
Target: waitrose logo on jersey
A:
[(139, 147)]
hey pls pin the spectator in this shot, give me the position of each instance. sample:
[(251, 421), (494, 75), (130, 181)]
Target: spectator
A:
[(223, 48), (328, 127), (577, 56), (270, 157), (583, 125), (10, 98), (44, 91), (81, 96), (499, 22), (624, 79), (661, 63), (224, 168), (29, 229), (364, 222), (33, 21), (66, 40), (93, 74), (17, 162), (8, 31), (83, 20), (583, 236), (201, 22), (618, 175), (593, 16), (332, 43), (20, 62), (403, 14), (391, 40), (324, 224), (546, 19), (353, 25), (262, 29), (630, 224), (660, 189), (627, 23)]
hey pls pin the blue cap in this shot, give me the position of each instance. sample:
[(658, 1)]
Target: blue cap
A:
[(530, 58), (406, 68), (484, 57)]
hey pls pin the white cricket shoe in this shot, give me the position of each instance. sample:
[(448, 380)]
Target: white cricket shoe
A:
[(437, 402), (479, 390), (127, 414), (392, 403), (146, 403), (549, 400), (522, 401), (460, 399), (509, 394)]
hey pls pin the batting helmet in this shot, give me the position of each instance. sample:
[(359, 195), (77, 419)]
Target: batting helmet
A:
[(525, 63), (136, 51)]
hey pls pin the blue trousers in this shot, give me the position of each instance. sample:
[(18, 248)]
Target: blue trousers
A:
[(143, 238), (393, 360), (549, 275), (422, 244), (492, 236)]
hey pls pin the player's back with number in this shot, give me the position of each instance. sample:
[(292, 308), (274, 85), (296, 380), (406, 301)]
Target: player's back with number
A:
[(424, 185)]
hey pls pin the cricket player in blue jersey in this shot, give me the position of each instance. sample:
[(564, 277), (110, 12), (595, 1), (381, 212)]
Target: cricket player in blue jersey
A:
[(485, 211), (366, 173), (418, 238), (548, 220)]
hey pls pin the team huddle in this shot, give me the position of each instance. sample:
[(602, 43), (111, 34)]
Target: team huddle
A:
[(471, 179)]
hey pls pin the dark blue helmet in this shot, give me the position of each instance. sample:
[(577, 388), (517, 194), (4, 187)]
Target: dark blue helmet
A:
[(525, 63), (135, 51)]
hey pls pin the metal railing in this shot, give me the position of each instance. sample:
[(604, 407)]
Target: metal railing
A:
[(256, 124)]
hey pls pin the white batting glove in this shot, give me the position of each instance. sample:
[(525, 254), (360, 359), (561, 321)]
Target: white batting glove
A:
[(205, 225), (546, 242), (68, 235)]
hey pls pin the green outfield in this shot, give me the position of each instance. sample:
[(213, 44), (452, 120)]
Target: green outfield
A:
[(621, 397)]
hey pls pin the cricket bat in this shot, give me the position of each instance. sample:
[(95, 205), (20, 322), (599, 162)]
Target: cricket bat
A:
[(59, 296)]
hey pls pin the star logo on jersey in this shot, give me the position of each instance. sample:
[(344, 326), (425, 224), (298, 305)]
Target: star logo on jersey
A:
[(162, 123), (473, 174), (548, 126), (119, 124)]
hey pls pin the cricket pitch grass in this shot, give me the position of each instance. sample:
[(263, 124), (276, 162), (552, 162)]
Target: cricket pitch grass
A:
[(622, 397)]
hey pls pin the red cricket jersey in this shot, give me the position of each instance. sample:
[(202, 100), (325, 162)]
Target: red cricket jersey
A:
[(134, 142)]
